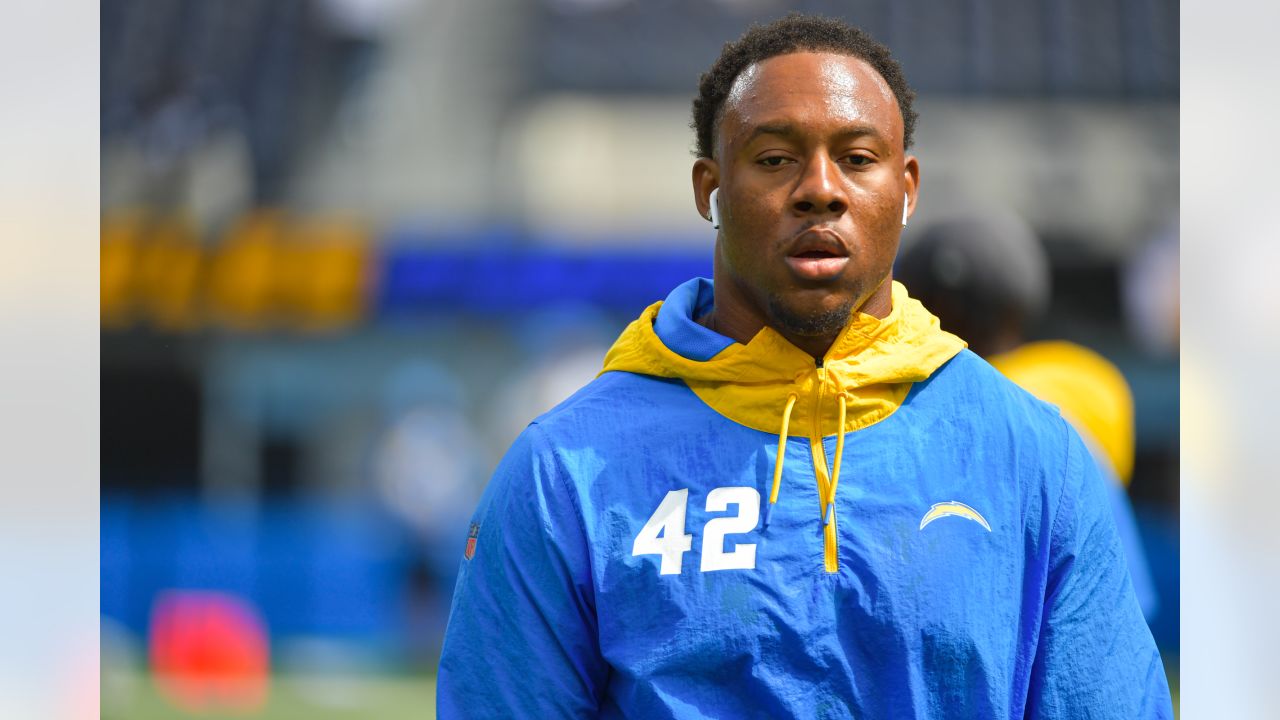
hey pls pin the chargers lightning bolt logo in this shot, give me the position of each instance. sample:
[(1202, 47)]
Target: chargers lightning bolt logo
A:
[(955, 509)]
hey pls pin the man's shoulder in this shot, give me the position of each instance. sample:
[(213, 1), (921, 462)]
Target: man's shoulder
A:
[(970, 386), (978, 414), (614, 400), (616, 414)]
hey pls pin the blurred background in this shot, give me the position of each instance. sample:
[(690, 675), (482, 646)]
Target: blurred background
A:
[(350, 248)]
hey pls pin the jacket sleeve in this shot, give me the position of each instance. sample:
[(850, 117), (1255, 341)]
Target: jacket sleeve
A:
[(522, 638), (1135, 556), (1095, 656)]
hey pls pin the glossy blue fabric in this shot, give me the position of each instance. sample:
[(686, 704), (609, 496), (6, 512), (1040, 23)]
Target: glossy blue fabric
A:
[(555, 617)]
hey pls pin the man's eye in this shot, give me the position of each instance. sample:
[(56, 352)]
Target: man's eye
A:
[(858, 160), (775, 161)]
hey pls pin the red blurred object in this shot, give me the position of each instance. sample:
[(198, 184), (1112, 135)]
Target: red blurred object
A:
[(209, 652)]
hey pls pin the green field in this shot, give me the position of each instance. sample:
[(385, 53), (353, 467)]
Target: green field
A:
[(133, 696)]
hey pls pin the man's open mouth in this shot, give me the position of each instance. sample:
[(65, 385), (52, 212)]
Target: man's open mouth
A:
[(817, 265), (817, 254)]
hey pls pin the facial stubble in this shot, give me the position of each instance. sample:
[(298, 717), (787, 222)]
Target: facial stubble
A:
[(823, 323)]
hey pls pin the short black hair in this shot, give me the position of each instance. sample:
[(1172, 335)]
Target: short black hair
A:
[(793, 33)]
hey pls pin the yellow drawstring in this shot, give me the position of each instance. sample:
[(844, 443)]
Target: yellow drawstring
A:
[(830, 506), (782, 452)]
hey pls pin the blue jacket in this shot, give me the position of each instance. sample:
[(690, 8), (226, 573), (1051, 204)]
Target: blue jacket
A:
[(938, 545)]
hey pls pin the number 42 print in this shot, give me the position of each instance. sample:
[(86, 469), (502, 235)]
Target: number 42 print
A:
[(664, 533)]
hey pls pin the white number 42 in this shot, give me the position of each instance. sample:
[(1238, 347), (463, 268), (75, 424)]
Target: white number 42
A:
[(664, 533)]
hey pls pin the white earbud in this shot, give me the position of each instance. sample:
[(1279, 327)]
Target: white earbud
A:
[(715, 208), (906, 203)]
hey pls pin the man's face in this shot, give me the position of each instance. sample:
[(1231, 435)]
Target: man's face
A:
[(812, 178)]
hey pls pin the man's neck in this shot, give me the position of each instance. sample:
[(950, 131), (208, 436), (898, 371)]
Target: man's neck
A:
[(737, 318), (736, 321)]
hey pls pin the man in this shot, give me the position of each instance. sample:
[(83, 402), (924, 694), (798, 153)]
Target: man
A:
[(790, 494)]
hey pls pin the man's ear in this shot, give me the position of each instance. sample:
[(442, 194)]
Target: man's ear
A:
[(911, 179), (706, 177)]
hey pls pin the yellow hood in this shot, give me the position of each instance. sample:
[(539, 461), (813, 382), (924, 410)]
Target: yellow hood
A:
[(873, 364)]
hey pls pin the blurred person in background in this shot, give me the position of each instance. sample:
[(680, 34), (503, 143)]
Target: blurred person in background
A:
[(424, 467), (1151, 291), (986, 276), (561, 351), (977, 572)]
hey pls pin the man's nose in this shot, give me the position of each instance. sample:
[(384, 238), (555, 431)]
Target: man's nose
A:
[(821, 189)]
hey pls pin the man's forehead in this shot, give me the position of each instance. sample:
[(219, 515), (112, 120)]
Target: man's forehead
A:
[(842, 86)]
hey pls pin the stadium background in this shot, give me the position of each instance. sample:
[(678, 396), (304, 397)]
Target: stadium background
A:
[(349, 247)]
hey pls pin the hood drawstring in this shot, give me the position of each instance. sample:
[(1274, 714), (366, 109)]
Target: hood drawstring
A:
[(782, 453), (828, 503), (829, 508)]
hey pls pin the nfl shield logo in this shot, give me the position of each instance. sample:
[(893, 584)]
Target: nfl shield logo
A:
[(472, 534)]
